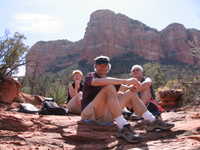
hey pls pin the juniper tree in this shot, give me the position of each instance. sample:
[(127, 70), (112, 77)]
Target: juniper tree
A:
[(12, 53)]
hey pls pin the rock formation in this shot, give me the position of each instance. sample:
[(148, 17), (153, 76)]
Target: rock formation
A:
[(10, 91), (112, 34)]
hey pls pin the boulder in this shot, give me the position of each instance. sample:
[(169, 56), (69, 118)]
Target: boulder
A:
[(27, 98), (9, 90)]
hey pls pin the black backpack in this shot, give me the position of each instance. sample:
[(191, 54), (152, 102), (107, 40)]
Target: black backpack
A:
[(50, 107)]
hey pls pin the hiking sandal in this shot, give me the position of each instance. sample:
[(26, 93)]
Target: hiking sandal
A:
[(128, 135), (158, 125)]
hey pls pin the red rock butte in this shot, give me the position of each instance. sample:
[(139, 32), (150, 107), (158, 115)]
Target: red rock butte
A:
[(111, 34)]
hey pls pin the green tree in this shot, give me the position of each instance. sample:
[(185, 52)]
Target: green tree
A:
[(154, 71), (12, 53)]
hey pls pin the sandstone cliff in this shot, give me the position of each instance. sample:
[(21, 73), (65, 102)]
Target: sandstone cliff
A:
[(112, 34)]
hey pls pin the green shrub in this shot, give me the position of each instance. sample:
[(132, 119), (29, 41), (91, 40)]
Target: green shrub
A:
[(58, 92)]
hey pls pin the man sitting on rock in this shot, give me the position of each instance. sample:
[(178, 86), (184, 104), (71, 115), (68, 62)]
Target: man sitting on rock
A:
[(102, 103), (145, 92)]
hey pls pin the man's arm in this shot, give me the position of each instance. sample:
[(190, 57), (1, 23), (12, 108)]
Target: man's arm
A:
[(132, 88), (107, 81), (115, 81), (123, 88)]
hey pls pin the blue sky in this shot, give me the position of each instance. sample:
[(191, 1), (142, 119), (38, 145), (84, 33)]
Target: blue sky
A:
[(67, 19), (64, 19)]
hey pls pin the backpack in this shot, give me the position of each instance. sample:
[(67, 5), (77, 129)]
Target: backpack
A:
[(28, 108), (153, 108), (50, 107)]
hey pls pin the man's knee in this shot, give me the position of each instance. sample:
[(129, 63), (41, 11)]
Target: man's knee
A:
[(104, 95), (88, 112)]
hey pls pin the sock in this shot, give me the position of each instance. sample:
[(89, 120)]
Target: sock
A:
[(148, 116), (121, 121)]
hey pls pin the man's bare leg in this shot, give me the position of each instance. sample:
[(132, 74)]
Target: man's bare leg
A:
[(132, 100), (145, 96), (107, 99)]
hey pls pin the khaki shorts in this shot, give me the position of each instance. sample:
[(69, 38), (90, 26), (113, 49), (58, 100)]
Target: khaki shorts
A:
[(89, 114)]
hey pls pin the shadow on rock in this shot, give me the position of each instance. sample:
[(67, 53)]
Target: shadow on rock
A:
[(87, 136)]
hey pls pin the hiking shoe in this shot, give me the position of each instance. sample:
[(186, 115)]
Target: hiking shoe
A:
[(126, 114), (158, 125), (131, 116), (128, 135)]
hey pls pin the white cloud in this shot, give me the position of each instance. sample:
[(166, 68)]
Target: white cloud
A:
[(41, 20), (28, 22), (21, 71)]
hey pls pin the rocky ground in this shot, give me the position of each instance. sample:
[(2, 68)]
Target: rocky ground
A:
[(20, 131)]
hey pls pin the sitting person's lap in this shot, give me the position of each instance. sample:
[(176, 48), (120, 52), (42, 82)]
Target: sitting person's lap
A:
[(98, 109), (90, 113)]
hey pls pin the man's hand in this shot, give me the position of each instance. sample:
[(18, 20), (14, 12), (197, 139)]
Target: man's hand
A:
[(133, 88), (134, 82)]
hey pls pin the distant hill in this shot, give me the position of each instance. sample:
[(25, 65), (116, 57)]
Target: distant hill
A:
[(125, 40)]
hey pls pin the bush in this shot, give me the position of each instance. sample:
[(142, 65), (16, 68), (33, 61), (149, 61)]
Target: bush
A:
[(153, 70), (58, 92)]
